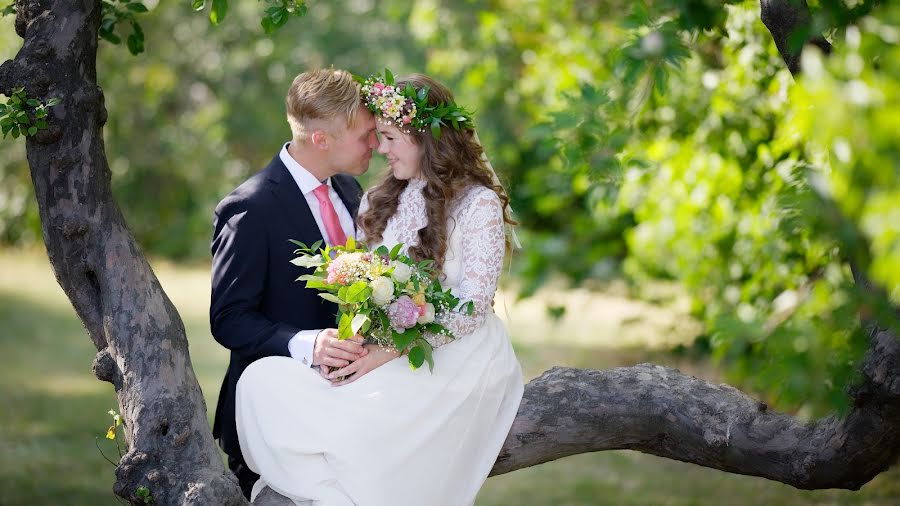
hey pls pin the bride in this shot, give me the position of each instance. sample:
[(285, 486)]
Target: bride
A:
[(376, 432)]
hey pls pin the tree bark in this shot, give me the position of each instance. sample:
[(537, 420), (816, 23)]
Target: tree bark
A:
[(790, 24), (140, 338)]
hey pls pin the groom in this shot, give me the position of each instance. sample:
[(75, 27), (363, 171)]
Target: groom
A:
[(305, 193)]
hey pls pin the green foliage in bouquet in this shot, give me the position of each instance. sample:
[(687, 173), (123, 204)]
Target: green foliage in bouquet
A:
[(382, 295)]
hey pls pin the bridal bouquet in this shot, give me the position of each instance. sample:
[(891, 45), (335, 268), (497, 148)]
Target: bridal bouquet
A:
[(385, 296)]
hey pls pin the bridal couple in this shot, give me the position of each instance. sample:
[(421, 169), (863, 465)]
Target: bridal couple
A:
[(329, 422)]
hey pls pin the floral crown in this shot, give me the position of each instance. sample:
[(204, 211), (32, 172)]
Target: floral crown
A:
[(408, 107)]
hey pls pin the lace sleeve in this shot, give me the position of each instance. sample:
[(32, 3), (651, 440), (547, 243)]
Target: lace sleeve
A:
[(483, 242), (363, 207)]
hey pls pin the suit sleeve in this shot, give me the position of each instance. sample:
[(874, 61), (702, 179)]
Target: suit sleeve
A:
[(239, 265)]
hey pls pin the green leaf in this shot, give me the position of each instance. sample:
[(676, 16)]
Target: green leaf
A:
[(15, 133), (358, 322), (299, 244), (436, 128), (428, 351), (138, 31), (403, 339), (396, 251), (218, 12), (434, 328), (136, 7), (416, 357), (41, 124), (53, 101), (330, 297), (345, 329), (198, 5), (388, 77), (33, 102), (309, 261), (110, 37), (382, 251), (351, 243), (32, 130), (135, 45), (267, 25), (358, 292), (107, 25)]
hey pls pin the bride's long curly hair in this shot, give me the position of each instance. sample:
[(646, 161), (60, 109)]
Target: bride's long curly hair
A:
[(449, 165)]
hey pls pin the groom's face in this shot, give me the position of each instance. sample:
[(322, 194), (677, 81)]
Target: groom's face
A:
[(352, 147)]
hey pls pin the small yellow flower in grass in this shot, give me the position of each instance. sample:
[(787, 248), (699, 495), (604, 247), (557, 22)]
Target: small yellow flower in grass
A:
[(111, 432)]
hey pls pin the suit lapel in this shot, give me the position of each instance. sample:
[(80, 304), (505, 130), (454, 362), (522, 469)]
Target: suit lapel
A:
[(349, 192), (292, 201)]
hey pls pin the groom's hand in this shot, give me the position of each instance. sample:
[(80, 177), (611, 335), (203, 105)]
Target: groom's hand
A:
[(333, 352)]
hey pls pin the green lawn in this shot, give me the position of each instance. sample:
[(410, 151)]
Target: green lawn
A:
[(52, 409)]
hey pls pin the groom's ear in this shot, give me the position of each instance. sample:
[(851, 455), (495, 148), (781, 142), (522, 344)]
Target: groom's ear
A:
[(319, 139)]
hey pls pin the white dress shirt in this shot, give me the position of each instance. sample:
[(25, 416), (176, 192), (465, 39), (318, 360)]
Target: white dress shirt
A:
[(301, 345)]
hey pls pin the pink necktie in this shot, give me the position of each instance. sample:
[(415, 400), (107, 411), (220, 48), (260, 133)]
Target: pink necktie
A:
[(329, 217)]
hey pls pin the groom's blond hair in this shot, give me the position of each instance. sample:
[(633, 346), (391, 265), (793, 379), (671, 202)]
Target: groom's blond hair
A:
[(322, 99)]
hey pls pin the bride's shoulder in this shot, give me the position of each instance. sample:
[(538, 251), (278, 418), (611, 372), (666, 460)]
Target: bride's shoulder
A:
[(479, 196)]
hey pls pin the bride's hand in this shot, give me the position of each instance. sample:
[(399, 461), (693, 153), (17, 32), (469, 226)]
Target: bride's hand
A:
[(376, 357)]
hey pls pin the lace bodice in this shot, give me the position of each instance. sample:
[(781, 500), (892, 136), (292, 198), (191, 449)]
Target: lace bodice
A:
[(475, 248)]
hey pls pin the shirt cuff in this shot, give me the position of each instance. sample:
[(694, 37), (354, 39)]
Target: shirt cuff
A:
[(301, 346)]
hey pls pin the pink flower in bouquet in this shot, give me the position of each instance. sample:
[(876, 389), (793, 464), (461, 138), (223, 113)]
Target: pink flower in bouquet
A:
[(403, 313), (334, 276), (348, 268)]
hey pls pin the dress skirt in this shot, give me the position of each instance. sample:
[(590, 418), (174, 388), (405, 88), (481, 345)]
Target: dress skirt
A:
[(394, 437)]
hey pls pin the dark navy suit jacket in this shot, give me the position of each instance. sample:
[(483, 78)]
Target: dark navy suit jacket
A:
[(256, 305)]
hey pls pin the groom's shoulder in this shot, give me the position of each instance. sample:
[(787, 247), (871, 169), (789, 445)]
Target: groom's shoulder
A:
[(255, 189), (348, 181)]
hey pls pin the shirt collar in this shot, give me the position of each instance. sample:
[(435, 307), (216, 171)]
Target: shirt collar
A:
[(304, 179)]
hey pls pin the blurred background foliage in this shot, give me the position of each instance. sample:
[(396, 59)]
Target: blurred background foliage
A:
[(640, 140)]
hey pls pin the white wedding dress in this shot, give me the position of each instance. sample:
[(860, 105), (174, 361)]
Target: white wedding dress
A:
[(397, 437)]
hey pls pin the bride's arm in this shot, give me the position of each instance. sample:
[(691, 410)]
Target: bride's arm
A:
[(483, 246)]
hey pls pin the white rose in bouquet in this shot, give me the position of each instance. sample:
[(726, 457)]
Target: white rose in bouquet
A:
[(402, 272), (426, 315), (382, 290)]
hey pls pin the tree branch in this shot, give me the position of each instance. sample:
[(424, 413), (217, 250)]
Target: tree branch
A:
[(660, 411), (790, 22)]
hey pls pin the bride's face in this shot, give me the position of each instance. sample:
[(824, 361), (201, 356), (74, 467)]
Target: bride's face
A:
[(403, 155)]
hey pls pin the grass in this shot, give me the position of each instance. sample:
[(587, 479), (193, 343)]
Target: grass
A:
[(52, 410)]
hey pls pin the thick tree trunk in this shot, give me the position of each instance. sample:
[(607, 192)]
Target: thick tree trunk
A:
[(141, 342)]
